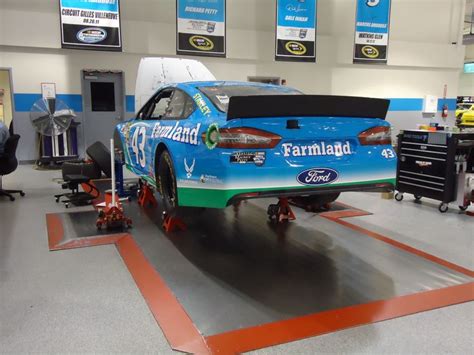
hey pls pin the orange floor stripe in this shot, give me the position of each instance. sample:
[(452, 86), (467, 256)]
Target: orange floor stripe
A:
[(179, 329), (54, 225), (183, 335), (330, 321), (337, 218)]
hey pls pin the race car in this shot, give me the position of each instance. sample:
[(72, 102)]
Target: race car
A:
[(212, 144)]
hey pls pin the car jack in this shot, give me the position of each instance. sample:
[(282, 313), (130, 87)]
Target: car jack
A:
[(281, 211), (170, 224), (112, 215)]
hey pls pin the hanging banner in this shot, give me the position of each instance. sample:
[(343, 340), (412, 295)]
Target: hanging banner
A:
[(296, 30), (90, 24), (201, 27), (372, 31)]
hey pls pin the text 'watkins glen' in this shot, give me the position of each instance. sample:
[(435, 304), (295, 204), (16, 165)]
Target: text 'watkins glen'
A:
[(316, 149)]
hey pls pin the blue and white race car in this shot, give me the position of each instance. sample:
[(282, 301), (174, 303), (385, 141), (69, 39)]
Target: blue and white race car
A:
[(212, 144)]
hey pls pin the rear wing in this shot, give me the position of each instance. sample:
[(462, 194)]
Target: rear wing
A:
[(305, 106)]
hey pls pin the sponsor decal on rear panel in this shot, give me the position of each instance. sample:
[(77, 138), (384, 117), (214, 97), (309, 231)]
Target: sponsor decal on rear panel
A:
[(338, 149), (317, 176)]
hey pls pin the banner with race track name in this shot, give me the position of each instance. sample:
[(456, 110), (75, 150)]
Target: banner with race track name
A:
[(201, 27), (296, 30), (372, 31), (90, 24)]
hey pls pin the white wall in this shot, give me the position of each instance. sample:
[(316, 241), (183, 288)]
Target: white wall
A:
[(424, 52), (422, 57)]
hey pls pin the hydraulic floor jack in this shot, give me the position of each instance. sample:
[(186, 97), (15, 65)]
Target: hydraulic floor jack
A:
[(112, 215)]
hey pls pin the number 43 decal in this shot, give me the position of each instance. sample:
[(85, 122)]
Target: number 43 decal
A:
[(388, 153), (139, 147)]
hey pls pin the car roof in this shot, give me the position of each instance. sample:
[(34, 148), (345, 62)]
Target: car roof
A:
[(198, 84)]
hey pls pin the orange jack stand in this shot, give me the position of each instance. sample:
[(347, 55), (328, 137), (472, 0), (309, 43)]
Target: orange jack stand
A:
[(281, 211), (146, 196), (171, 224)]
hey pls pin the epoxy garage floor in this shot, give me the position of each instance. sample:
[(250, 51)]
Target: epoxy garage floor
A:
[(84, 300)]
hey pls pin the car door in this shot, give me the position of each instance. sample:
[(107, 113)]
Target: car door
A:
[(140, 142)]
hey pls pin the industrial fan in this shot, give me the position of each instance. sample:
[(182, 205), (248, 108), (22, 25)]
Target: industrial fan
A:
[(52, 119)]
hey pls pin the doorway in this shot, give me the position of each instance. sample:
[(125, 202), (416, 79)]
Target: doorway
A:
[(103, 97), (6, 97)]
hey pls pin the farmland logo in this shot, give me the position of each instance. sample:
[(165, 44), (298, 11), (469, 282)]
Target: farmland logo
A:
[(317, 176), (295, 48), (177, 133), (370, 52), (91, 35), (202, 43), (337, 149)]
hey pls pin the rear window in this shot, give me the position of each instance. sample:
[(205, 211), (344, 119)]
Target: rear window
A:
[(464, 106), (220, 95)]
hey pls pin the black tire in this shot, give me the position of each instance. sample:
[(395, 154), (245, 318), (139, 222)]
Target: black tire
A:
[(417, 197), (167, 184), (463, 208), (318, 201), (118, 146)]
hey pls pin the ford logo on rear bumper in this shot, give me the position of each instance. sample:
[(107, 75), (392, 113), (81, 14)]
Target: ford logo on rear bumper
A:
[(317, 176)]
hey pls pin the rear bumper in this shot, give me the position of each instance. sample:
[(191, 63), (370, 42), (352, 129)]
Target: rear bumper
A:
[(378, 187), (221, 198)]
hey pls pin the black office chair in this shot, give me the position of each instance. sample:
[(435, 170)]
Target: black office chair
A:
[(80, 173), (8, 164)]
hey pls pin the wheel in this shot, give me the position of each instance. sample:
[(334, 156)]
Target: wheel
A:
[(317, 202), (463, 208), (272, 211), (417, 197), (57, 199), (22, 194), (12, 198), (443, 207), (399, 196), (167, 184), (66, 205)]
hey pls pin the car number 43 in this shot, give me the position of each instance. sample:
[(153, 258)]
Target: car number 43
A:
[(388, 153), (138, 145)]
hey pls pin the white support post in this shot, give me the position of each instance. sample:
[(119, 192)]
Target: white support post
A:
[(112, 167)]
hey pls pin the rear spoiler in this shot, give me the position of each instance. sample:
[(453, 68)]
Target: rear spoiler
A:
[(305, 106)]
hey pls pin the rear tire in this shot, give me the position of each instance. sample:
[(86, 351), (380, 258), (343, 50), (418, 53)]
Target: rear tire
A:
[(167, 184)]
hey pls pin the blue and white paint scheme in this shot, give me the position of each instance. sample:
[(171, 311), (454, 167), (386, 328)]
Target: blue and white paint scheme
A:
[(218, 159)]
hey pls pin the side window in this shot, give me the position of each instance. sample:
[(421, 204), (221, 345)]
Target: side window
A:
[(160, 107), (156, 107), (180, 106)]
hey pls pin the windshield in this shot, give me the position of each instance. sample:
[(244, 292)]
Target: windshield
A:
[(220, 95)]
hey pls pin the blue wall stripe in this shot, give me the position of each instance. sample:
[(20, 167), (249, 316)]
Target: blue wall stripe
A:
[(130, 103), (23, 103)]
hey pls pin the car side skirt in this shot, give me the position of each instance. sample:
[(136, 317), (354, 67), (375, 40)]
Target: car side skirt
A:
[(216, 198)]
